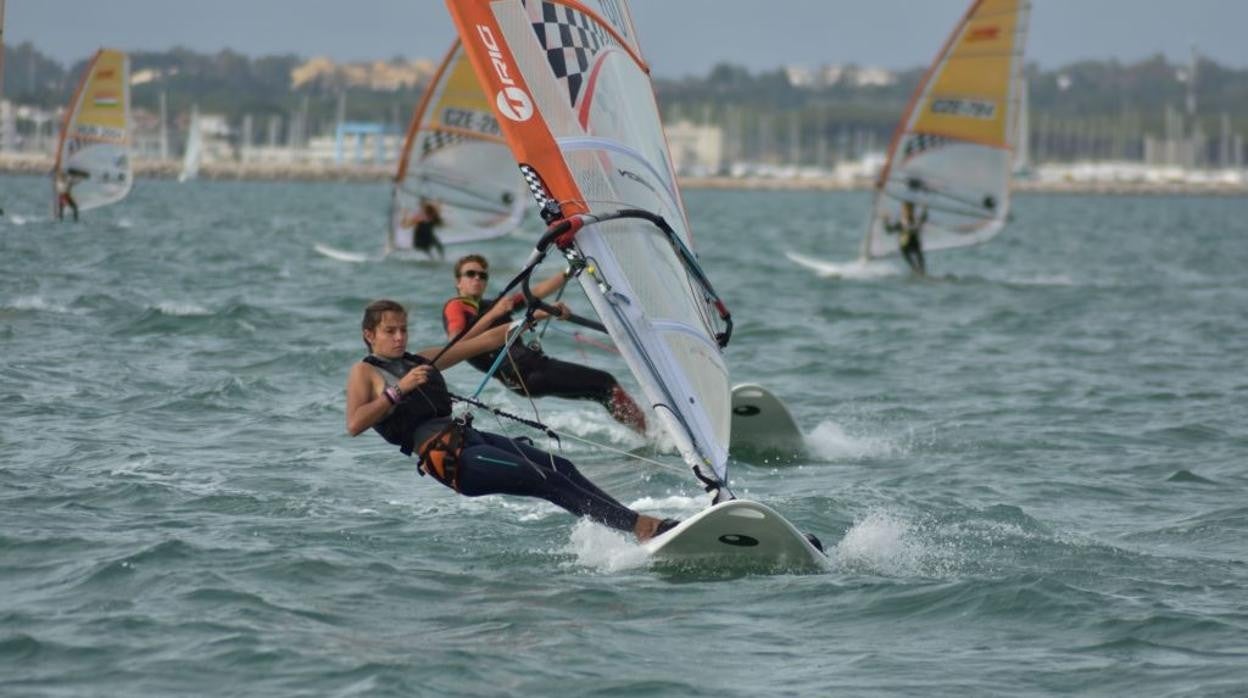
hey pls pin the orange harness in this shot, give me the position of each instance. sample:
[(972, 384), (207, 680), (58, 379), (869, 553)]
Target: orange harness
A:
[(439, 454)]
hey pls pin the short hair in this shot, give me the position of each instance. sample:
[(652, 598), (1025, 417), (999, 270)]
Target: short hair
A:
[(459, 264), (374, 311)]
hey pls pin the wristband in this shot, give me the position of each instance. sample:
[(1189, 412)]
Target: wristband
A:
[(393, 394)]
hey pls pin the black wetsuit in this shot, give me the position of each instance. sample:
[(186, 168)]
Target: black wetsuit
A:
[(425, 239), (490, 463), (910, 243)]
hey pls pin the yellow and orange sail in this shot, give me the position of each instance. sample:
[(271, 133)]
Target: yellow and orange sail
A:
[(455, 157), (94, 147), (953, 152)]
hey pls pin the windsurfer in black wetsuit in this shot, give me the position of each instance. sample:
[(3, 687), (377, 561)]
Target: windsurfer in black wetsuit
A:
[(405, 399), (909, 230), (424, 225), (527, 370)]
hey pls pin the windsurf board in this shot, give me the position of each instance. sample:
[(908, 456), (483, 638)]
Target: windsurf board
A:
[(737, 534), (762, 425)]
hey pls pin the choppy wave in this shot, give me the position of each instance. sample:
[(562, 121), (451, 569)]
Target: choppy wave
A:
[(1036, 455)]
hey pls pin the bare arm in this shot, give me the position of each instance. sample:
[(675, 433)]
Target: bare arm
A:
[(366, 401), (467, 348), (548, 286), (366, 405)]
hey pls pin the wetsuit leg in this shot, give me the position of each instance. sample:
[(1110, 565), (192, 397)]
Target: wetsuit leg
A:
[(494, 464), (564, 379), (913, 255), (555, 378), (422, 239)]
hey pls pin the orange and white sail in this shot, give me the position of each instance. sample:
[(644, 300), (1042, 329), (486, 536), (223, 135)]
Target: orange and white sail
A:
[(94, 147), (574, 99), (954, 150), (455, 157)]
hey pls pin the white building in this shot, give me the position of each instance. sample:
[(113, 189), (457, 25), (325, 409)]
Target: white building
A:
[(696, 150)]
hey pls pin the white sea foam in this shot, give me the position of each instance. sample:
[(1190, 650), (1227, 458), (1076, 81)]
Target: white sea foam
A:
[(883, 542), (675, 505), (601, 548), (829, 441), (38, 303), (890, 543), (182, 309)]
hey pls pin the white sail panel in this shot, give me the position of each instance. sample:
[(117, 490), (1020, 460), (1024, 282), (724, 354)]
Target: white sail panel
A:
[(194, 148), (953, 152), (455, 157), (94, 147), (578, 108)]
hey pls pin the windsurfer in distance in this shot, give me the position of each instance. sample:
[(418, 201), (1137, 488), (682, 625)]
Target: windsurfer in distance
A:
[(527, 369), (405, 399), (424, 224), (909, 230), (64, 182)]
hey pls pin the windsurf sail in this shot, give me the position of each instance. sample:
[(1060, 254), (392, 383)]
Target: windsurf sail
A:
[(455, 157), (953, 151), (94, 147), (574, 99), (194, 148)]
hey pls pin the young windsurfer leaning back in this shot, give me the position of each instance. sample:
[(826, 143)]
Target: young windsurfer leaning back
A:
[(404, 398), (527, 370), (909, 229)]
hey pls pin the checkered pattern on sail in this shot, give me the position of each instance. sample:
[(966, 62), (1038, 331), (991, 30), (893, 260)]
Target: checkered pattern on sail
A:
[(433, 141), (571, 40), (536, 186), (920, 142)]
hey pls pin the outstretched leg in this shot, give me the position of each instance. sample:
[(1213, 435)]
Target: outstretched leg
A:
[(626, 411), (576, 382), (913, 255), (494, 464)]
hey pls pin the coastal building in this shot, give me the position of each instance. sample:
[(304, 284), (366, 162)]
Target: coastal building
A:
[(697, 150)]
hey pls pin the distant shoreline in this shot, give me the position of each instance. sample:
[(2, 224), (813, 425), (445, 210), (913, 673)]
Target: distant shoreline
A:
[(317, 172)]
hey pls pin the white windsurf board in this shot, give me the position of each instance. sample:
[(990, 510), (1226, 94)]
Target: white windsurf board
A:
[(341, 255), (855, 269), (761, 424), (737, 534)]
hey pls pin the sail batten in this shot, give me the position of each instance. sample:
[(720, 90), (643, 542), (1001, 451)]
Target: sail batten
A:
[(953, 150), (574, 99), (455, 157)]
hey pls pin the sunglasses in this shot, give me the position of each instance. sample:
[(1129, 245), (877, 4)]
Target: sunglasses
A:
[(474, 274)]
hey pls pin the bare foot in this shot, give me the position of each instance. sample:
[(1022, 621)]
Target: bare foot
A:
[(645, 527)]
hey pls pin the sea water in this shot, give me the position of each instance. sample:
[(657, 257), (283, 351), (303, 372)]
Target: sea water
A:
[(1029, 468)]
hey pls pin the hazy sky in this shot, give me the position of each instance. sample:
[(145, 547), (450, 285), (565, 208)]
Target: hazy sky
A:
[(679, 37)]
